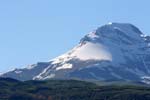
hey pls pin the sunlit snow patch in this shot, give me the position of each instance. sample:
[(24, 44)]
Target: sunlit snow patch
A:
[(110, 23), (65, 66), (18, 71), (93, 35), (30, 66), (146, 79), (92, 51)]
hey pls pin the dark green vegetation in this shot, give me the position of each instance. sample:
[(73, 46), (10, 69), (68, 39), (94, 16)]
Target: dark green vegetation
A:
[(11, 89)]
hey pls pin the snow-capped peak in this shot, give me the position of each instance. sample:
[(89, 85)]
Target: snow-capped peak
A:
[(113, 51), (104, 44), (114, 30)]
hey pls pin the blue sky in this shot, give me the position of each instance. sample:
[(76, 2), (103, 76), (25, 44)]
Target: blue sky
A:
[(38, 30)]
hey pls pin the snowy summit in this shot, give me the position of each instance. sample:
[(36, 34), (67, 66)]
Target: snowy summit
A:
[(115, 51)]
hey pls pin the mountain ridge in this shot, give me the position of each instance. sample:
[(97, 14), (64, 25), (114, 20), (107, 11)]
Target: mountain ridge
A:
[(113, 51)]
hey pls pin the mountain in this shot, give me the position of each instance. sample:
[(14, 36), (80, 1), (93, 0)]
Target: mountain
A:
[(115, 51)]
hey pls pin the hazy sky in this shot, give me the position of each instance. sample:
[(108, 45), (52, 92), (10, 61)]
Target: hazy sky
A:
[(38, 30)]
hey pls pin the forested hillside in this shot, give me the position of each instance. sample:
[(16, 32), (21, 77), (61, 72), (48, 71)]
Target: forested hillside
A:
[(11, 89)]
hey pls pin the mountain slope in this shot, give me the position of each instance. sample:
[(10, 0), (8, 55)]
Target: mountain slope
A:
[(115, 51)]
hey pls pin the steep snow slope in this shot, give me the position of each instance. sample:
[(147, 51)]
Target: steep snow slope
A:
[(115, 51)]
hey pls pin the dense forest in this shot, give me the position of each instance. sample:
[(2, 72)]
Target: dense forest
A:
[(11, 89)]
